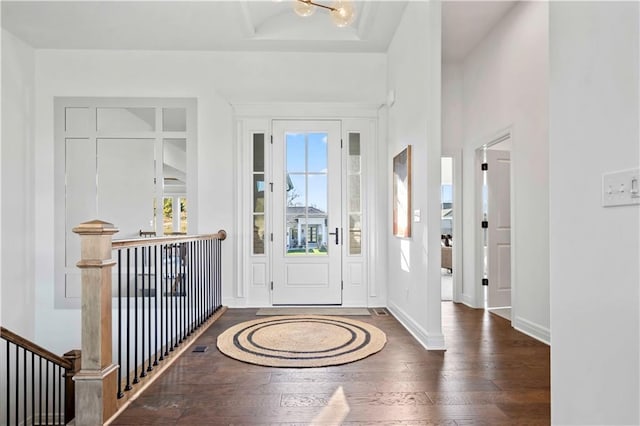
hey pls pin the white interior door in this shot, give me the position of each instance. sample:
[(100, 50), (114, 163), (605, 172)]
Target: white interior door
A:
[(499, 231), (307, 227)]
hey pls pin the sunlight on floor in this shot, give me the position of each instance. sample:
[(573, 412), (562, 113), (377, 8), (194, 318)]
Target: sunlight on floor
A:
[(335, 411)]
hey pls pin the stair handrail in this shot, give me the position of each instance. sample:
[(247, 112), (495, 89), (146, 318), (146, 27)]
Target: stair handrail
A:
[(70, 362), (139, 242), (18, 340)]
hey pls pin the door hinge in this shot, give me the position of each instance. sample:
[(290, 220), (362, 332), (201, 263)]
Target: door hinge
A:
[(271, 137), (340, 143), (341, 285), (271, 285), (485, 224), (271, 236), (485, 166), (271, 186), (485, 281)]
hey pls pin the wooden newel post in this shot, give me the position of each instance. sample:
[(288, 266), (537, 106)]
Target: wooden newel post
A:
[(96, 383)]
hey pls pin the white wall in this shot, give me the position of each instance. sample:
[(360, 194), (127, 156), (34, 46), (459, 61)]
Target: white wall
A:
[(452, 118), (215, 79), (18, 66), (595, 274), (505, 85), (414, 119)]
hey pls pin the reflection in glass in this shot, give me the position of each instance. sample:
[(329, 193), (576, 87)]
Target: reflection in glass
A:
[(354, 153), (355, 234), (258, 152), (258, 234), (126, 119), (258, 193), (354, 197), (167, 215), (258, 208), (183, 215), (174, 119)]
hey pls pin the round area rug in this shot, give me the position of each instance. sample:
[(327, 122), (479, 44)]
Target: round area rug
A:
[(301, 341)]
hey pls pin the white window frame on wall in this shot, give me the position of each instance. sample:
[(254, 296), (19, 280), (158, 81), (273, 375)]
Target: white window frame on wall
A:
[(257, 118), (62, 297)]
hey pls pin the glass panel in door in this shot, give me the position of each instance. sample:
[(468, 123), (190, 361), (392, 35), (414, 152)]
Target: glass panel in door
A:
[(306, 200)]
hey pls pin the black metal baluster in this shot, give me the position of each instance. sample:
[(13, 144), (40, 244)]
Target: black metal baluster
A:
[(60, 413), (183, 288), (17, 385), (46, 392), (8, 383), (155, 303), (142, 299), (163, 306), (170, 290), (165, 277), (39, 389), (53, 393), (176, 301), (24, 386), (33, 387), (201, 285), (205, 277), (192, 286), (120, 393), (148, 297), (135, 316), (211, 288), (128, 386), (216, 303)]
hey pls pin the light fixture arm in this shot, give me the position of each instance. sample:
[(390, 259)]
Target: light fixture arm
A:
[(333, 9)]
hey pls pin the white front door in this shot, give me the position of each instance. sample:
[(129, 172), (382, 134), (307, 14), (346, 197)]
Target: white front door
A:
[(499, 232), (307, 212)]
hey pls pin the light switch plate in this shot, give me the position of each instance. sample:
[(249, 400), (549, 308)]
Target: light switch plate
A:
[(621, 188), (416, 216)]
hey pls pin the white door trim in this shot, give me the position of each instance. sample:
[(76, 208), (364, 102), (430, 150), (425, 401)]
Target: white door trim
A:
[(256, 117)]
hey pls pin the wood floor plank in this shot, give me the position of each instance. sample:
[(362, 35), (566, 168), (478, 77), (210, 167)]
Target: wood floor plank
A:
[(490, 374)]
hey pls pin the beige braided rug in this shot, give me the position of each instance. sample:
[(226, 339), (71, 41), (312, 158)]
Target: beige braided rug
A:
[(301, 341)]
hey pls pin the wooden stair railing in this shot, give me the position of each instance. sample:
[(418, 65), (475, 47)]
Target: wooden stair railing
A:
[(168, 290), (26, 401)]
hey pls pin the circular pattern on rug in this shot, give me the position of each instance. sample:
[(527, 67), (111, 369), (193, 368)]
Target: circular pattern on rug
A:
[(301, 341)]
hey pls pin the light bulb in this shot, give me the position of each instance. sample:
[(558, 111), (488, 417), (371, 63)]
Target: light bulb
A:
[(304, 8), (344, 13)]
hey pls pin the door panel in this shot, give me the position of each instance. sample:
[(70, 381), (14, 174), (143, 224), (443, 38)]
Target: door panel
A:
[(307, 211), (499, 232)]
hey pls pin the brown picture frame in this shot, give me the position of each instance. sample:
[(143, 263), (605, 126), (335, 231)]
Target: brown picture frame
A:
[(402, 193)]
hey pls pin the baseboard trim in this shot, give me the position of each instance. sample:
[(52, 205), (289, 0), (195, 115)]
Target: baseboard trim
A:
[(532, 329), (467, 300), (429, 342)]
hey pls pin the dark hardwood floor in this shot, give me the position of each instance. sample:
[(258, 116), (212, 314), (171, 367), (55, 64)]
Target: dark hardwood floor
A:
[(489, 375)]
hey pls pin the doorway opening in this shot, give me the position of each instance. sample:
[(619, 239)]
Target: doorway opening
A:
[(494, 162), (446, 228)]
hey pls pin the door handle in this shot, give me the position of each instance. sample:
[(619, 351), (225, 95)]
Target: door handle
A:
[(336, 234)]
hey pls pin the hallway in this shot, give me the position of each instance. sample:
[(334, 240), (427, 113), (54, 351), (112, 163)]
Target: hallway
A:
[(490, 374)]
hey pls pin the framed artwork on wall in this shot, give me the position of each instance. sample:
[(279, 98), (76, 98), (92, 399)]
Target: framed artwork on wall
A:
[(402, 193)]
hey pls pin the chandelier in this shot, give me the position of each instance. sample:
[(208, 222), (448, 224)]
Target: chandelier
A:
[(342, 12)]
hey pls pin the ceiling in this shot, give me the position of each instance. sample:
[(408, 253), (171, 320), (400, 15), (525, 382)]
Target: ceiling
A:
[(233, 25)]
